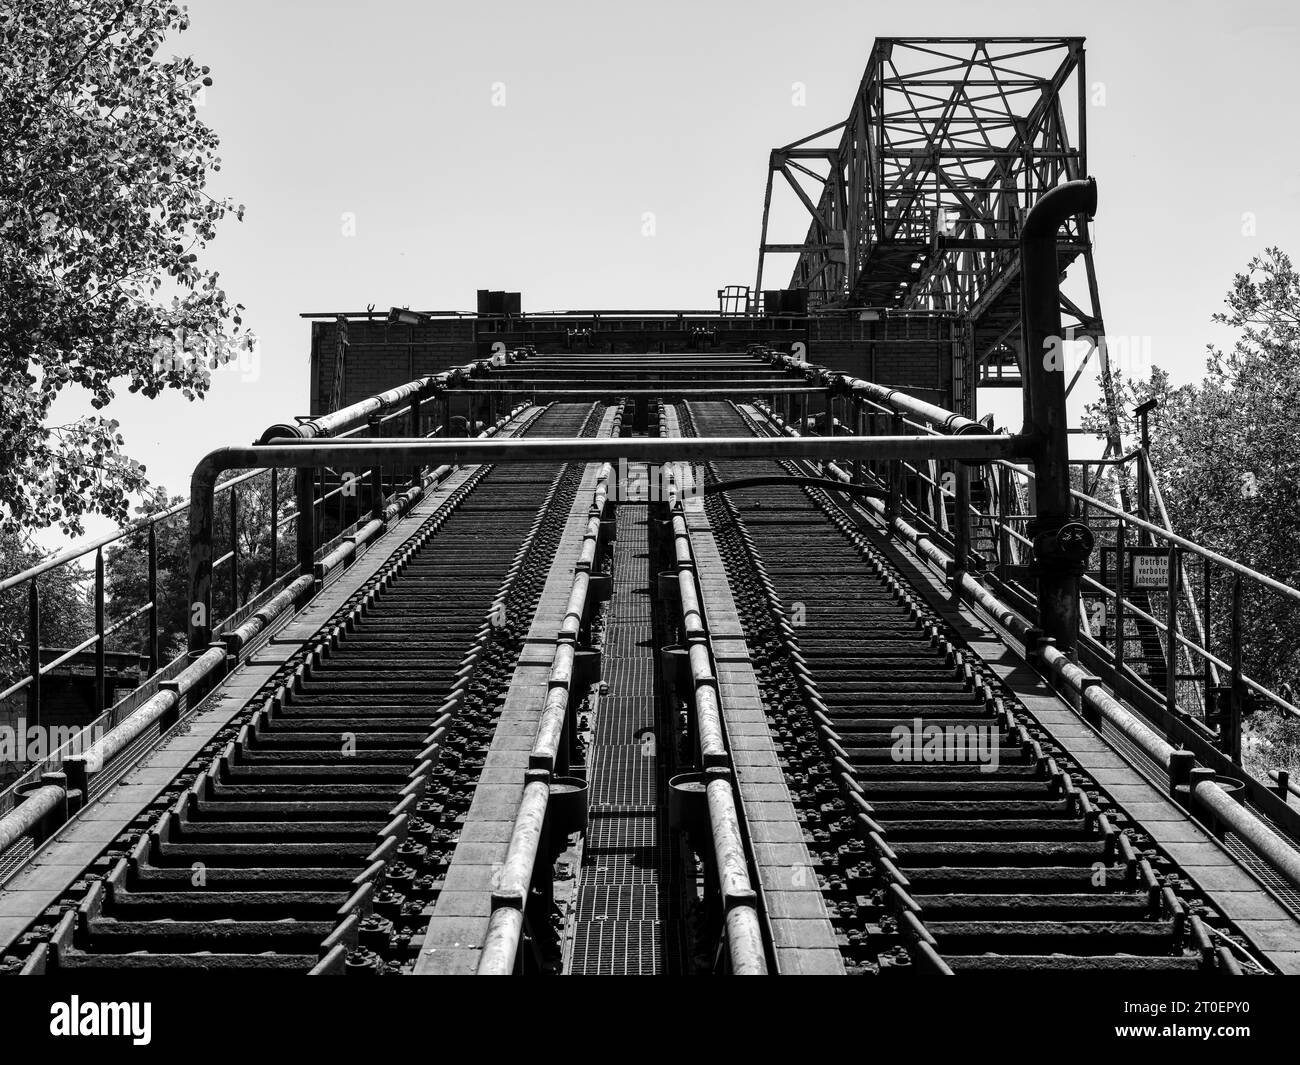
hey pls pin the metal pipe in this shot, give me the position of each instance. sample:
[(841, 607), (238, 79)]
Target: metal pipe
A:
[(667, 391), (496, 450), (511, 891), (23, 818), (1173, 537), (1044, 402), (945, 420), (360, 412), (501, 947), (1224, 808)]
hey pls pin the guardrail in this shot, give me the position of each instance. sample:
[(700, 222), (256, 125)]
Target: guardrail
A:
[(374, 416), (1199, 578), (104, 748)]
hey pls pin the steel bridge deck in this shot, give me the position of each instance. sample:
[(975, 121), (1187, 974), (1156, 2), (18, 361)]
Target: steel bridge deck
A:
[(243, 838)]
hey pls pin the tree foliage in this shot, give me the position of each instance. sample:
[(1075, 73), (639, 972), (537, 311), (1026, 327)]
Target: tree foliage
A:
[(66, 613), (1226, 454), (103, 210)]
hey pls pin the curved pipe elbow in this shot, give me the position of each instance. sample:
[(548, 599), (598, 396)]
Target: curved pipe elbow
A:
[(209, 468), (1056, 205), (302, 432)]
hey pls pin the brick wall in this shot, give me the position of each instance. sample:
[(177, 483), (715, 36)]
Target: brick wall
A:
[(913, 352), (382, 356)]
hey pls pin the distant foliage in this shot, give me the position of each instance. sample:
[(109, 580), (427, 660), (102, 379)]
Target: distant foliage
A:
[(66, 612), (127, 564), (103, 210)]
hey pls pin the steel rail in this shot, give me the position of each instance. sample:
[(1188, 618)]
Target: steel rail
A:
[(1094, 698)]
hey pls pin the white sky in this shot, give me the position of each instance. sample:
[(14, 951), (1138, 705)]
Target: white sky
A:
[(385, 110)]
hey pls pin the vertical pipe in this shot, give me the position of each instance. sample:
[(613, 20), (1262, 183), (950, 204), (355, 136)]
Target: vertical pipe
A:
[(153, 598), (1044, 402), (1144, 481), (199, 608), (99, 631), (34, 653), (1083, 113)]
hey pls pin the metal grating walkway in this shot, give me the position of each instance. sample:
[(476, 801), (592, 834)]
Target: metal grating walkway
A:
[(621, 924)]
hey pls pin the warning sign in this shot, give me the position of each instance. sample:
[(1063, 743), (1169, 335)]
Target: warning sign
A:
[(1148, 570)]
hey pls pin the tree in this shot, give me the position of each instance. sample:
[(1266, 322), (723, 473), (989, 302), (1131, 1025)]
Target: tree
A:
[(1226, 454), (103, 210), (126, 582)]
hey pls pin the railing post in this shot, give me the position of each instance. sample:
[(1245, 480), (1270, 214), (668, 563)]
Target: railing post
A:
[(1171, 633), (343, 503), (894, 499), (153, 598), (234, 549), (935, 495), (324, 513), (1006, 556), (99, 631), (859, 427), (415, 431), (1236, 693), (1144, 477), (305, 490), (1121, 683), (961, 534), (275, 523), (1207, 674), (376, 492), (34, 653)]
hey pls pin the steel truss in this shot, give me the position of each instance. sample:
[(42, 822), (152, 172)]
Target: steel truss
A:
[(918, 202)]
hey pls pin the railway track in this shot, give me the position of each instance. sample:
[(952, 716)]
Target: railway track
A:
[(948, 831), (313, 833)]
